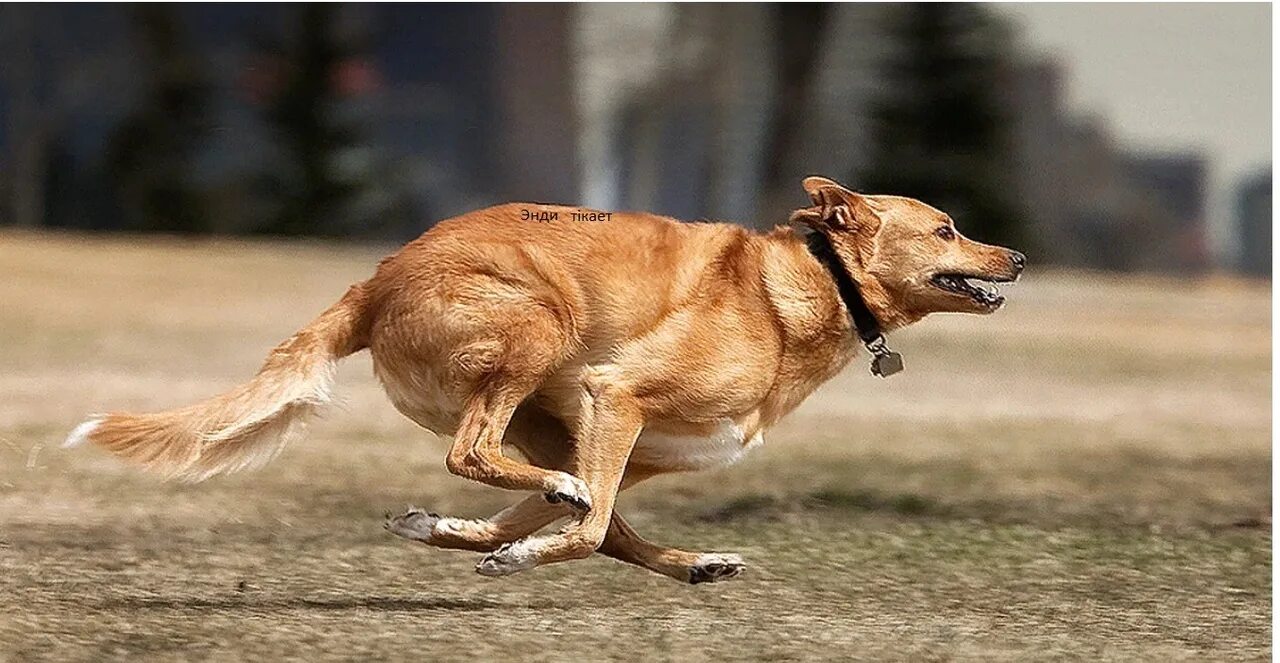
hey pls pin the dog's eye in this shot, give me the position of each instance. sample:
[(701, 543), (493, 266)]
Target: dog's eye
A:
[(945, 232)]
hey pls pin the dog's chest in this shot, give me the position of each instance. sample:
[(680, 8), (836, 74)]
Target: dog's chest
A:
[(725, 444)]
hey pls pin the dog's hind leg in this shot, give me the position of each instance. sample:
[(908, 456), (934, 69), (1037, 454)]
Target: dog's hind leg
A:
[(545, 442), (621, 542), (606, 431), (463, 356), (624, 544)]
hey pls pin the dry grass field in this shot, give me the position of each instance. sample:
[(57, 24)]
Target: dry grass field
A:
[(1084, 475)]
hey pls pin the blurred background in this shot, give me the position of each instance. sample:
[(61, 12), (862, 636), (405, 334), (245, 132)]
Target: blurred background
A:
[(1117, 137), (1084, 476)]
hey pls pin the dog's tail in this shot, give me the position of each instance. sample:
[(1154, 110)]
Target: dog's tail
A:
[(247, 426)]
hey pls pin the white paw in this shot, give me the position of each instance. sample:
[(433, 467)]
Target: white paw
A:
[(414, 524), (459, 527), (569, 489), (510, 558), (711, 567)]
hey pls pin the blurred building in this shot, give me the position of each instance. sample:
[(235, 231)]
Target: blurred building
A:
[(1254, 224), (537, 125), (1175, 187), (1088, 180), (692, 111), (676, 106), (1091, 202), (1045, 144), (833, 137)]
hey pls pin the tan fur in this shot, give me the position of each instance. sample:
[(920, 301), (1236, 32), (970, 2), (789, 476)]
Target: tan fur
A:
[(606, 351)]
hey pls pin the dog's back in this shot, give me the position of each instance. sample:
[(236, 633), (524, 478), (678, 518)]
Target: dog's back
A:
[(617, 274)]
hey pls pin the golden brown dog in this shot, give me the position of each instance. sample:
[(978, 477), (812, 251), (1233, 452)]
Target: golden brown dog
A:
[(606, 348)]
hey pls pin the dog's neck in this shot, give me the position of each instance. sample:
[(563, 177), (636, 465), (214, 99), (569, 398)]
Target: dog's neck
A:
[(878, 300), (813, 312), (865, 323), (885, 362)]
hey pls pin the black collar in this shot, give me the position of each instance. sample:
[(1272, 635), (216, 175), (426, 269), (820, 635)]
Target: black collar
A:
[(886, 361), (863, 320)]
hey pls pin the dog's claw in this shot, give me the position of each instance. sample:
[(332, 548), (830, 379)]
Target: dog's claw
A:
[(414, 524), (572, 500), (569, 489)]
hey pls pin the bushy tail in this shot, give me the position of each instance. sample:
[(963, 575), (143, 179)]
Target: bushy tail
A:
[(247, 426)]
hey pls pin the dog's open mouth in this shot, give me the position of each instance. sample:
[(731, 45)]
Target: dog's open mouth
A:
[(980, 289)]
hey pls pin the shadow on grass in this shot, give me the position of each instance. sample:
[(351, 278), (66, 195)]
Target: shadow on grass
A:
[(768, 507), (337, 604)]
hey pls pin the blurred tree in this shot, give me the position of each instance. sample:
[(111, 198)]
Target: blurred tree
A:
[(151, 154), (27, 112), (800, 29), (331, 182), (939, 130)]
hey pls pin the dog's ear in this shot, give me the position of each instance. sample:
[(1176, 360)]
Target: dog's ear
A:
[(813, 185), (837, 208)]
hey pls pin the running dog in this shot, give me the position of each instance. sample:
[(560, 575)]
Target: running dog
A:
[(607, 348)]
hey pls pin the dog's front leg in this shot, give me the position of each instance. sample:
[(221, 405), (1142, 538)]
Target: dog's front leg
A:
[(478, 534), (476, 452), (608, 424)]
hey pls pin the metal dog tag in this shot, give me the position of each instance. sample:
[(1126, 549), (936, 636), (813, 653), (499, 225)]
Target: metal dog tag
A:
[(886, 364)]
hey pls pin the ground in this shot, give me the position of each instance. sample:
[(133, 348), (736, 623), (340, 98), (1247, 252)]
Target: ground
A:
[(1083, 475)]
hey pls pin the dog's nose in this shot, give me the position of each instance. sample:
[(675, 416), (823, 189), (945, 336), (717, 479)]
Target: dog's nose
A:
[(1018, 259)]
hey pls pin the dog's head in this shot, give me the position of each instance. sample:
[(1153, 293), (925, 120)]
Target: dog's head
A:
[(907, 258)]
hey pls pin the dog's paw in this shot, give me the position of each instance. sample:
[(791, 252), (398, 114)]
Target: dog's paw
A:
[(414, 524), (571, 490), (509, 558), (712, 567)]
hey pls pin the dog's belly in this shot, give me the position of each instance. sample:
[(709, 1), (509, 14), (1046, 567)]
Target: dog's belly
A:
[(725, 444), (421, 397)]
